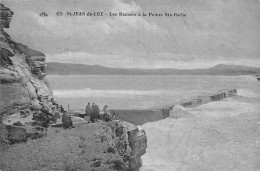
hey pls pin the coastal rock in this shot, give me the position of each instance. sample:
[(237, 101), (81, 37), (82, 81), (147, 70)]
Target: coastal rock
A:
[(16, 134), (35, 59), (22, 72), (135, 139), (138, 144), (22, 83), (6, 15), (19, 133)]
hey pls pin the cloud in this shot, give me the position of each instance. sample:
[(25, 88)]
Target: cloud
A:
[(211, 31), (69, 26), (138, 23), (120, 6)]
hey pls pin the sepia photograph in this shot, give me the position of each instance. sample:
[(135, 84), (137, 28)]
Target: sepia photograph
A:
[(129, 85)]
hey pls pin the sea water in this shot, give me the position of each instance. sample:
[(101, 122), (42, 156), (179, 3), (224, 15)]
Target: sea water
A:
[(222, 135), (138, 92)]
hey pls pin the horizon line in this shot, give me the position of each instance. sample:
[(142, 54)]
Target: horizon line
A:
[(153, 68)]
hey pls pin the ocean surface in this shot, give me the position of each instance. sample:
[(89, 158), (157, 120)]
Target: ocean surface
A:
[(223, 135), (139, 92)]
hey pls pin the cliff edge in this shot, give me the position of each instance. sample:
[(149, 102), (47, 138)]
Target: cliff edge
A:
[(102, 146)]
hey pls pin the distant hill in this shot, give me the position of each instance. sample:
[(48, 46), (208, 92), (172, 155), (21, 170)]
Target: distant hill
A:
[(54, 68)]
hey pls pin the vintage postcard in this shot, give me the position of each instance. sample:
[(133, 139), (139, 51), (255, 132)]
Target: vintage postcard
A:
[(130, 85)]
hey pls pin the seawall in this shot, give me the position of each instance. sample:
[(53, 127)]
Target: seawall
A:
[(139, 117)]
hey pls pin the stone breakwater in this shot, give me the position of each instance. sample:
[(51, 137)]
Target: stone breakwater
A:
[(199, 101), (139, 117), (25, 95)]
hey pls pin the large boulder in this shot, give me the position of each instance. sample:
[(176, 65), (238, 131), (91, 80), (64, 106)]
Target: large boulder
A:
[(16, 134), (6, 16), (138, 144)]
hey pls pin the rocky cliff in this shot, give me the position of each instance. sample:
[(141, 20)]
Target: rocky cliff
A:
[(26, 100), (22, 72)]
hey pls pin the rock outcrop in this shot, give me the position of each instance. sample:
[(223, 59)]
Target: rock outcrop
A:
[(22, 72)]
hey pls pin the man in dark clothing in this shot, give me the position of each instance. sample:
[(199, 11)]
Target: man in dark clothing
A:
[(66, 120), (95, 113), (88, 110), (93, 105), (42, 118), (92, 115), (61, 109)]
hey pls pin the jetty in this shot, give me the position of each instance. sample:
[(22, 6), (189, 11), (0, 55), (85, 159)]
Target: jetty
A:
[(139, 117)]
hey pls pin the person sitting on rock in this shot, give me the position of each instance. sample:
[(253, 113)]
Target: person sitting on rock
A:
[(47, 116), (88, 110), (66, 120), (46, 120), (54, 114)]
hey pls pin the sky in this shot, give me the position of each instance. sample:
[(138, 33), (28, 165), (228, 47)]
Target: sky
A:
[(212, 32)]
